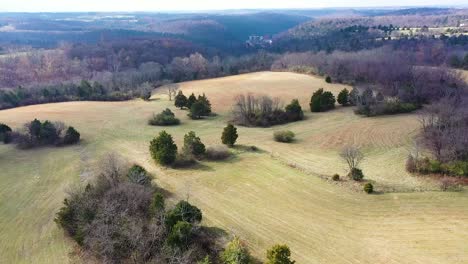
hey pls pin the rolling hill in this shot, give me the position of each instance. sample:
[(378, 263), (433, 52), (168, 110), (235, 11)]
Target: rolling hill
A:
[(280, 194)]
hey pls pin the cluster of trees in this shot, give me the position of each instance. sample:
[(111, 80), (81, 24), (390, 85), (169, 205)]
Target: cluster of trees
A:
[(111, 75), (444, 135), (198, 107), (265, 111), (164, 150), (401, 86), (122, 216), (37, 133)]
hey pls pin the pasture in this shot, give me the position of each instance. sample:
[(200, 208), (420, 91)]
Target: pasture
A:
[(279, 194)]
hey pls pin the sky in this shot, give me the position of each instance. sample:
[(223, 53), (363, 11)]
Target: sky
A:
[(186, 5)]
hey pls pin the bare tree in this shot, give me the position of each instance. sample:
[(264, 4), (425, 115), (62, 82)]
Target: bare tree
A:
[(112, 168), (352, 155), (171, 90)]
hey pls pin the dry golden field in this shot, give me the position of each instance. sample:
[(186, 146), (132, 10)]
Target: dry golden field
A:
[(277, 195)]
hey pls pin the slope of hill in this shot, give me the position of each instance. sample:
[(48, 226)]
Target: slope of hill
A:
[(275, 195)]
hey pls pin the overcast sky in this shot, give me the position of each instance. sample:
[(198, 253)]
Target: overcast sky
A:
[(184, 5)]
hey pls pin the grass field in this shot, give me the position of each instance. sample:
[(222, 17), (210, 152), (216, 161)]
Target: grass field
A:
[(266, 197)]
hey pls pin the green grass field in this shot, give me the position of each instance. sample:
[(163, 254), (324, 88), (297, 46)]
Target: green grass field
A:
[(277, 195)]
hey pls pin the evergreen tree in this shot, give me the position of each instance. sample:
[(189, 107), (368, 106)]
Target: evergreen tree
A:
[(191, 100), (193, 145), (294, 111), (71, 136), (163, 149), (343, 97), (206, 103), (180, 100), (197, 110), (229, 135)]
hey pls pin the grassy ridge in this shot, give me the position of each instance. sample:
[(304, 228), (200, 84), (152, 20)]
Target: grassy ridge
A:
[(257, 195)]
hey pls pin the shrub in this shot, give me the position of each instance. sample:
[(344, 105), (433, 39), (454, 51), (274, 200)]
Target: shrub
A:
[(180, 235), (343, 97), (217, 153), (368, 188), (5, 133), (294, 111), (181, 100), (138, 175), (284, 136), (411, 165), (184, 160), (205, 260), (236, 253), (328, 79), (193, 145), (279, 254), (157, 205), (165, 118), (356, 174), (336, 177), (229, 135), (71, 136), (322, 101), (163, 149), (183, 211)]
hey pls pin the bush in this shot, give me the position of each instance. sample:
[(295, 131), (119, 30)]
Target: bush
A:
[(163, 149), (157, 205), (368, 188), (184, 160), (217, 153), (356, 174), (336, 177), (193, 145), (294, 111), (343, 97), (180, 235), (411, 165), (322, 101), (71, 136), (279, 254), (284, 136), (328, 79), (139, 175), (236, 253), (5, 133), (183, 211), (165, 118), (229, 135)]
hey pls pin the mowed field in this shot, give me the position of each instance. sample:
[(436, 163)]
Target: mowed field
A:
[(277, 195)]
